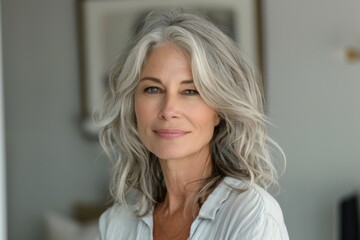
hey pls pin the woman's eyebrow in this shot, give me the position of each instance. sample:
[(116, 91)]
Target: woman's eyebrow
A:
[(187, 82), (159, 81), (151, 79)]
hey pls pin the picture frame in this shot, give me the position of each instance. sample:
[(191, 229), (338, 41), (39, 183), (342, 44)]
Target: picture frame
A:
[(106, 25)]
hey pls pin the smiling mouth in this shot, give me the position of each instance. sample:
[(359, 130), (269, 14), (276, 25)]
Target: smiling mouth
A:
[(170, 133)]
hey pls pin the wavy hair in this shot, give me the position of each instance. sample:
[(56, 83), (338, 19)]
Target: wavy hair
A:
[(240, 147)]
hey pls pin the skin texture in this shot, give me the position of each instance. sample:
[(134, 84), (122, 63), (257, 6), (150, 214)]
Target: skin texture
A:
[(176, 125), (173, 120)]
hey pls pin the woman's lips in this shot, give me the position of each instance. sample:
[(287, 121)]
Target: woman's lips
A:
[(170, 133)]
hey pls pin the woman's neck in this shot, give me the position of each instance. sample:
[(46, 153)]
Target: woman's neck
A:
[(183, 179)]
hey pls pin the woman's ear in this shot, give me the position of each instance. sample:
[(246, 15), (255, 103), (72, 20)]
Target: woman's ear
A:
[(217, 120)]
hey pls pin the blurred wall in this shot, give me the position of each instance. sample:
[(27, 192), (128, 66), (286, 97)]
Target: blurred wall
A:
[(314, 102), (3, 225), (50, 165)]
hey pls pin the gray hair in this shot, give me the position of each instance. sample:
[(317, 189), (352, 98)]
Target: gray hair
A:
[(240, 145)]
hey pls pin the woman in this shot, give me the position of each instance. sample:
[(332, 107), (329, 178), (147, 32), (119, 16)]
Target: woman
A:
[(183, 121)]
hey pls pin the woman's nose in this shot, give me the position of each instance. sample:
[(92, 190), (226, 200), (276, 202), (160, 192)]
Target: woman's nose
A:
[(170, 107)]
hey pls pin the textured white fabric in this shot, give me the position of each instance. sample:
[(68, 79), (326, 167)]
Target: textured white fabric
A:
[(226, 214)]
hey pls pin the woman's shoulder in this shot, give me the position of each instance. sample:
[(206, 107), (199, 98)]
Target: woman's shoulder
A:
[(115, 211), (120, 210), (254, 210), (117, 215), (118, 220), (254, 197)]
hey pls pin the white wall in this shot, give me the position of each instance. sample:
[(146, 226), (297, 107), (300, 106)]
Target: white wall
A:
[(50, 165), (314, 100), (3, 226)]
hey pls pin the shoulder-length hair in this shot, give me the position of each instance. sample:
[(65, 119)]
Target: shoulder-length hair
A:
[(240, 145)]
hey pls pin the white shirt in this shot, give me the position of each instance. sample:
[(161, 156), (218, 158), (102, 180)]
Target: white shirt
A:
[(226, 214)]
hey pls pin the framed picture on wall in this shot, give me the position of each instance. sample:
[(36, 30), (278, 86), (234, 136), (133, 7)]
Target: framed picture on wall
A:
[(105, 26)]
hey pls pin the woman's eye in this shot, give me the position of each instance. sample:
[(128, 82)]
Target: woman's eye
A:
[(190, 92), (152, 90)]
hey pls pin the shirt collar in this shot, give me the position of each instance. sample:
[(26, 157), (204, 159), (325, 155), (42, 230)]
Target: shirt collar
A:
[(149, 220), (218, 197), (213, 202)]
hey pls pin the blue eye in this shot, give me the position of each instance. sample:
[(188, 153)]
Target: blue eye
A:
[(190, 92), (152, 90)]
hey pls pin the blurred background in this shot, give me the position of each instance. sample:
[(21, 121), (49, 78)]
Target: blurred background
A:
[(313, 100)]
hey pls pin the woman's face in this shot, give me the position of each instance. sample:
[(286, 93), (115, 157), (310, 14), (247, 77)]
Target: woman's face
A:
[(173, 120)]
